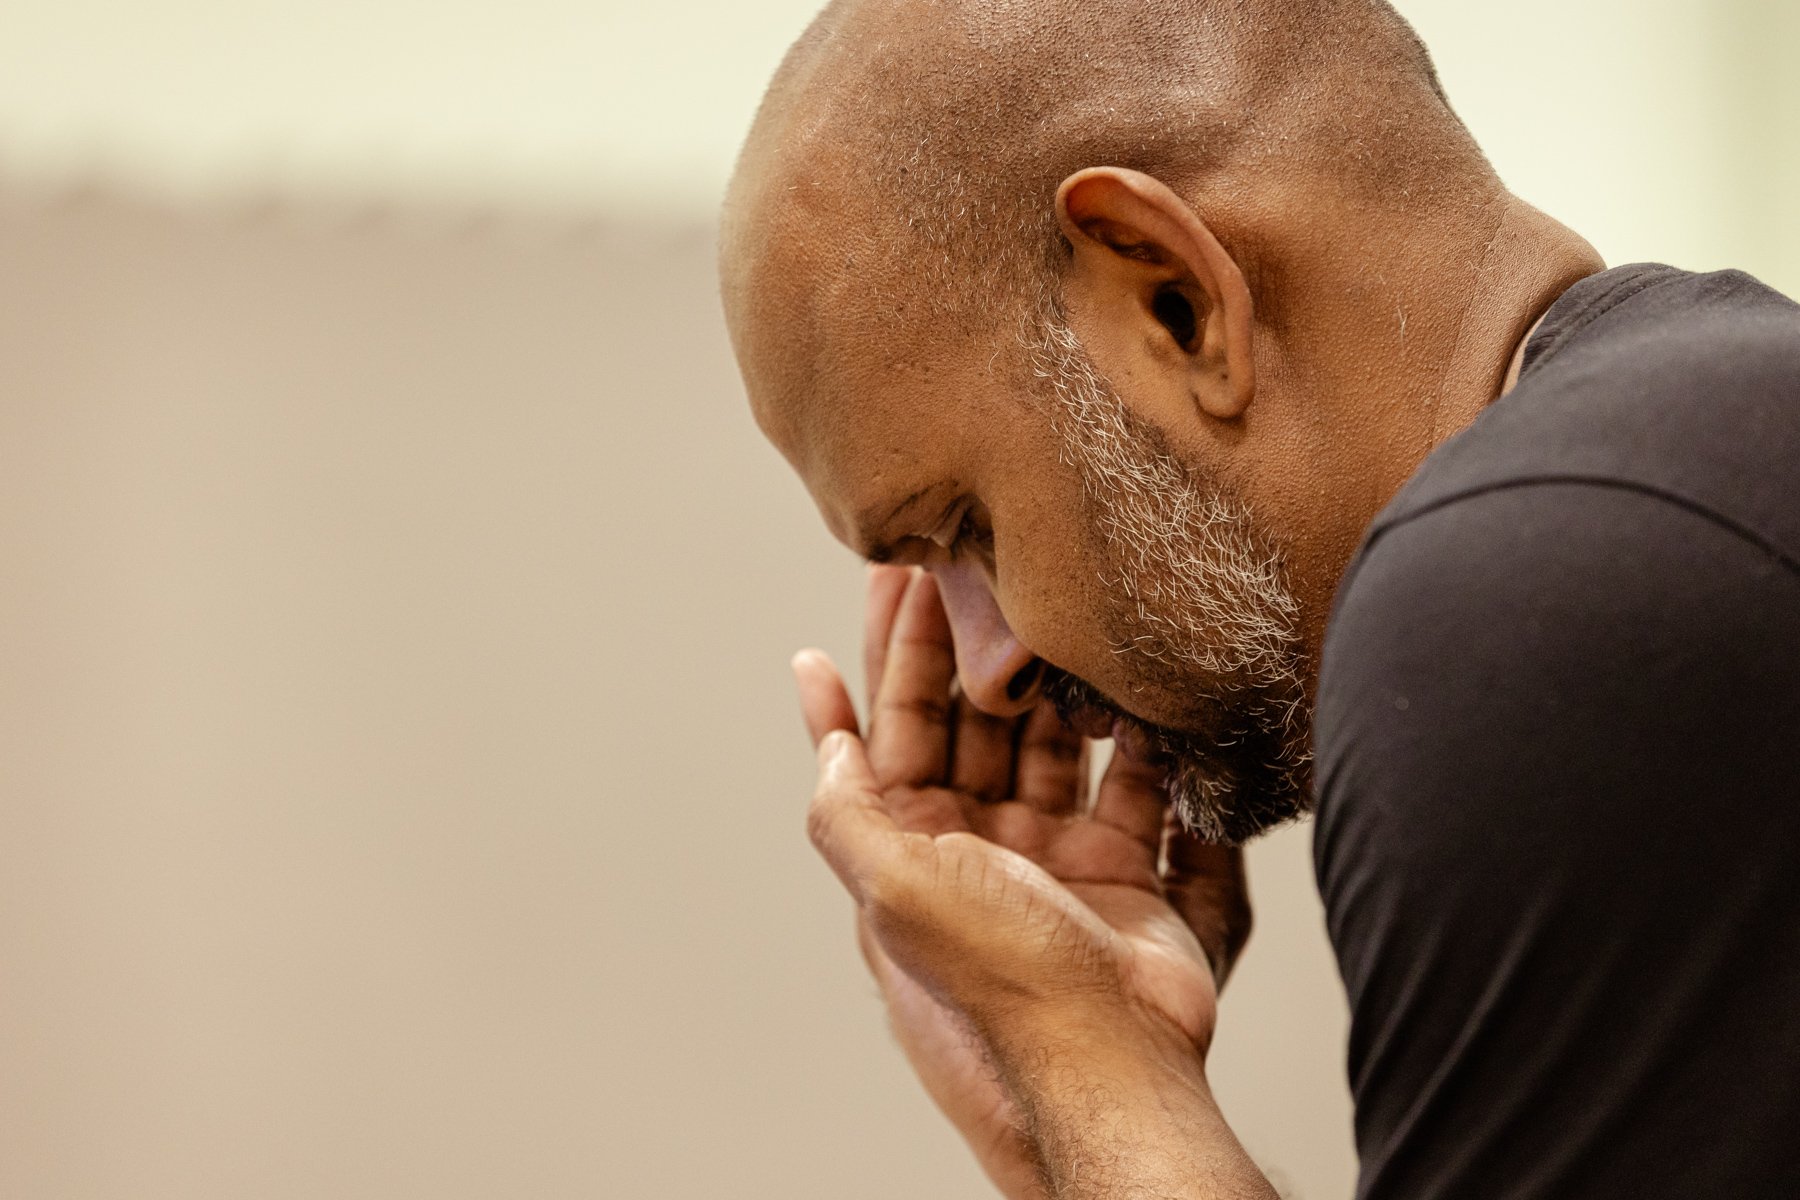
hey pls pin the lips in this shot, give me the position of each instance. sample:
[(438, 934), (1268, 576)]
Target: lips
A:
[(1134, 740), (1091, 721), (1081, 706), (1089, 713), (1129, 735)]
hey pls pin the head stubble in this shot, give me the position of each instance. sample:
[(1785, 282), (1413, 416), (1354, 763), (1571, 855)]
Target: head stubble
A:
[(1201, 607)]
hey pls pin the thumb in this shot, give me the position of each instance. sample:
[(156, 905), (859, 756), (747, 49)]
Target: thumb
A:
[(846, 822)]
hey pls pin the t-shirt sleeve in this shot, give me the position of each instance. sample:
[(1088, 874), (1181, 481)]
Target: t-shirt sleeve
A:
[(1558, 815)]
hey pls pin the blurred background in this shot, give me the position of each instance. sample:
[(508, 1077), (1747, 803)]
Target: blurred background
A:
[(400, 789)]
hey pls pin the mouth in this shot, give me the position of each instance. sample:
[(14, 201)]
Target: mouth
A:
[(1091, 722), (1086, 711), (1242, 776)]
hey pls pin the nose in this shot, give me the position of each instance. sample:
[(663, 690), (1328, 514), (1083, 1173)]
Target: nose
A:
[(998, 673)]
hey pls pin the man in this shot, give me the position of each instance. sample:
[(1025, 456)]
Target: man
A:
[(1201, 385)]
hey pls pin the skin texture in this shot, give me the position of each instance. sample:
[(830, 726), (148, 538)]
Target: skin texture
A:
[(1003, 914), (1122, 360)]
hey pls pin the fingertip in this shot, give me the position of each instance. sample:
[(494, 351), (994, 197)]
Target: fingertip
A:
[(824, 704), (922, 609), (815, 674), (887, 581), (808, 659)]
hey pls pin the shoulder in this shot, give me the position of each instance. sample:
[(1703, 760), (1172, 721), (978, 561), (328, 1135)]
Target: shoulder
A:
[(1554, 737), (1607, 561), (1656, 338), (1528, 644), (1682, 384), (1652, 318)]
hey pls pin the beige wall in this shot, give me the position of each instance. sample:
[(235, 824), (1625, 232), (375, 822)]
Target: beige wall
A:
[(402, 787)]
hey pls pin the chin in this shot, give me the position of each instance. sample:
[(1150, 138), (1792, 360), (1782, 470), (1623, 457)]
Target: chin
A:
[(1249, 774)]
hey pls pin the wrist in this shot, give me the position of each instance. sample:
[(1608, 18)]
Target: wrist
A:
[(1115, 1103), (1084, 1067), (1050, 1046)]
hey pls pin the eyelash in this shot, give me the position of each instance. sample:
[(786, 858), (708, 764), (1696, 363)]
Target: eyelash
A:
[(968, 533)]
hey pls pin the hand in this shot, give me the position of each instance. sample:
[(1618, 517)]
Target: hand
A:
[(995, 908)]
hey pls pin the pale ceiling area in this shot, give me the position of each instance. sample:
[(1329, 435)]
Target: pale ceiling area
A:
[(558, 101), (1663, 128)]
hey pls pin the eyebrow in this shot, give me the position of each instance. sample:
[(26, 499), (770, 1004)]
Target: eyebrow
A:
[(882, 552)]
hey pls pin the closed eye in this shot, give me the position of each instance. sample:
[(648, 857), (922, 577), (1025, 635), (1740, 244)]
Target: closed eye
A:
[(971, 534)]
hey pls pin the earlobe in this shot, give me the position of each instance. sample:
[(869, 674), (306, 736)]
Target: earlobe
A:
[(1133, 237)]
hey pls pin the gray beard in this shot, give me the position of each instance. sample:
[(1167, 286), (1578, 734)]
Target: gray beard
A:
[(1203, 608), (1227, 788)]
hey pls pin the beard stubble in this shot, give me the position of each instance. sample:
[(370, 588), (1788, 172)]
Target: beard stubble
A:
[(1200, 608)]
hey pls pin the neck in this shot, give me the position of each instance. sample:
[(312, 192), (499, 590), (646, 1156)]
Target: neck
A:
[(1525, 263)]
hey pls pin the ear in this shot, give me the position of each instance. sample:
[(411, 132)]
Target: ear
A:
[(1150, 273)]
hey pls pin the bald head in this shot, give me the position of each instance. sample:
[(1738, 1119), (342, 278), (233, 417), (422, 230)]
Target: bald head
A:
[(925, 139), (1123, 318)]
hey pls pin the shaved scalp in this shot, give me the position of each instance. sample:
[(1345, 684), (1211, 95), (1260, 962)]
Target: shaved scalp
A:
[(939, 131), (912, 309)]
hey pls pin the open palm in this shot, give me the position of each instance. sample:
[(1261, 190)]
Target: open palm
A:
[(1010, 883)]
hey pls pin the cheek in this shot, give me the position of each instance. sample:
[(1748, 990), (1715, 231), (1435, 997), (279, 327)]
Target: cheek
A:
[(1050, 586), (1064, 602), (1056, 577)]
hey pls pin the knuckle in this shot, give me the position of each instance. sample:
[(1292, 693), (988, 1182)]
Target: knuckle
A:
[(893, 891), (933, 709), (889, 900), (1052, 746), (819, 821)]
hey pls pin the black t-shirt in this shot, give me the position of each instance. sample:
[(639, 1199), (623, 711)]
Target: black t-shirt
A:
[(1558, 754)]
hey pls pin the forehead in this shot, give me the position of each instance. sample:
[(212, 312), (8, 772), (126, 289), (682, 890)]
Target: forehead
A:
[(883, 432), (853, 371)]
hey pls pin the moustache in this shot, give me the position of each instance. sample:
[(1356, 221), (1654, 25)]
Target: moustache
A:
[(1085, 709)]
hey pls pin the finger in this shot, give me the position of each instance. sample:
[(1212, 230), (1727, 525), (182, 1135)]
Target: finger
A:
[(826, 703), (1052, 771), (887, 586), (1131, 798), (981, 756), (846, 821), (1016, 826), (909, 729), (824, 700), (1206, 885)]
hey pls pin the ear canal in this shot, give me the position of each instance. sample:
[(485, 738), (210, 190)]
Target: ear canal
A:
[(1176, 313)]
